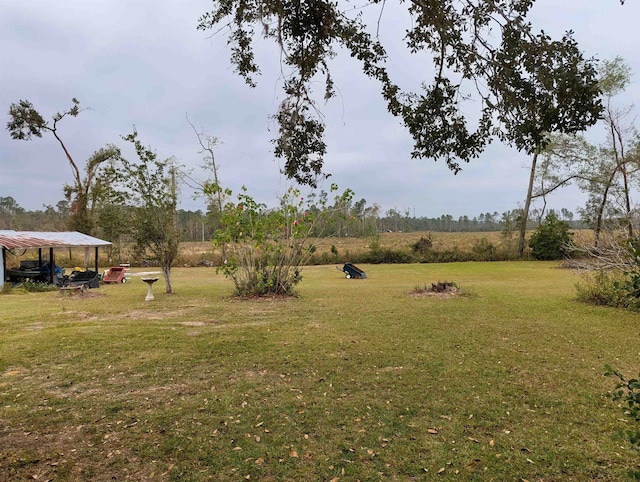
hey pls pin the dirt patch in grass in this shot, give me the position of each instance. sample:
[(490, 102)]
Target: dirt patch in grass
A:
[(449, 294), (69, 453), (79, 294), (445, 289), (13, 371), (153, 315), (78, 315), (263, 299), (192, 323)]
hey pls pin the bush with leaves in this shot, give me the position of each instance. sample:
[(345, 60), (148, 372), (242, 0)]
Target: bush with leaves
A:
[(619, 284), (630, 286), (627, 392), (551, 239), (602, 288), (484, 250), (266, 248)]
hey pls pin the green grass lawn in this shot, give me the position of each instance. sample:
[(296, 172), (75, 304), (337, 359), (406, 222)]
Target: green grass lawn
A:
[(353, 380)]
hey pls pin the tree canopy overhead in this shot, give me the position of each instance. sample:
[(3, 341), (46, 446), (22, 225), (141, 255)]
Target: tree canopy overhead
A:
[(481, 49)]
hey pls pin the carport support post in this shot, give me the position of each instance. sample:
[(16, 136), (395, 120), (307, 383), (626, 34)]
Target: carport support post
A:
[(52, 266), (97, 260), (3, 263)]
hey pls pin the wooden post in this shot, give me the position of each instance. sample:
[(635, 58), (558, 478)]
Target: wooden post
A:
[(52, 265)]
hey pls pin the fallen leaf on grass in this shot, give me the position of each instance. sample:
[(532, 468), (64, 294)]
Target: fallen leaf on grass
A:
[(433, 431), (471, 465), (293, 453)]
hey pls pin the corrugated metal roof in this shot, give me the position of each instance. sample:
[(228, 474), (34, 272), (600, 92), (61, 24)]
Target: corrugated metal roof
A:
[(37, 239)]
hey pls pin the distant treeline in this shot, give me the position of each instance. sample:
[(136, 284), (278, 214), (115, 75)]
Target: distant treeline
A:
[(358, 221)]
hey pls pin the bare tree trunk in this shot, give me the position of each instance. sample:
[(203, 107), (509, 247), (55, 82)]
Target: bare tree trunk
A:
[(605, 195), (625, 179), (618, 151), (166, 272), (527, 204)]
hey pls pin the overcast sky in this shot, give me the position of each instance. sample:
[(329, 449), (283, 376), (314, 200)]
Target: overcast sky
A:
[(143, 63)]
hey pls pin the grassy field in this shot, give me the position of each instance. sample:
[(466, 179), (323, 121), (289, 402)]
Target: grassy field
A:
[(353, 380), (463, 241)]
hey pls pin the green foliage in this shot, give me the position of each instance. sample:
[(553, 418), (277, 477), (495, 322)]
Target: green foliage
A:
[(602, 288), (627, 391), (374, 241), (630, 289), (630, 284), (10, 213), (38, 286), (551, 239), (484, 250), (266, 248), (388, 256), (26, 122), (618, 287), (148, 187), (528, 84), (546, 86)]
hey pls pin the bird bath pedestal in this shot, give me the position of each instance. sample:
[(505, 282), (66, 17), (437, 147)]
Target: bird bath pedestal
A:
[(149, 282)]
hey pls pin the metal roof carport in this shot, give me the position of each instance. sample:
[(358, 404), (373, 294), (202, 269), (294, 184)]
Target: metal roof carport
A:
[(19, 240)]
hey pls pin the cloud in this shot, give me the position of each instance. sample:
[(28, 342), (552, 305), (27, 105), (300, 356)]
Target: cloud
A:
[(144, 63)]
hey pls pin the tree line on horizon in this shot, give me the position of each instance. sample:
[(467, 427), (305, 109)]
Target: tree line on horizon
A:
[(360, 221)]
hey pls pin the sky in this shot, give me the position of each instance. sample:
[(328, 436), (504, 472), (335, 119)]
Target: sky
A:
[(143, 63)]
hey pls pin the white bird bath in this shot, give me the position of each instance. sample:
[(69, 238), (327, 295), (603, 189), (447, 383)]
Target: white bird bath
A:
[(149, 282)]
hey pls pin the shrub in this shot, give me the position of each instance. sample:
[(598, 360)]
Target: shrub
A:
[(483, 250), (388, 256), (38, 286), (266, 248), (445, 256), (423, 245), (551, 239), (602, 288), (627, 391)]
